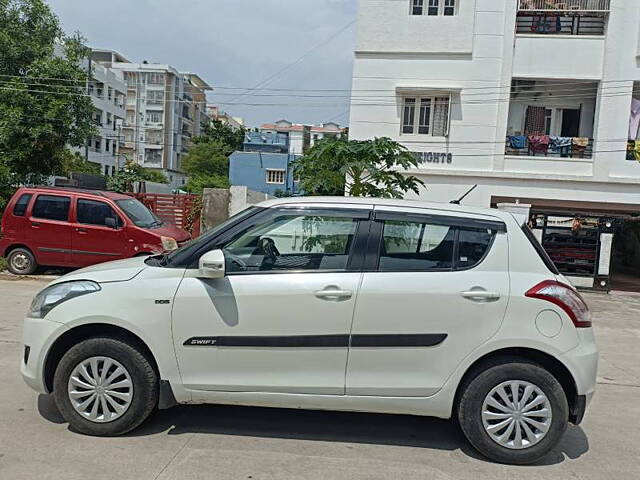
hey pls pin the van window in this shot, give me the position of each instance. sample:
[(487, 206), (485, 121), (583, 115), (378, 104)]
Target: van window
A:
[(20, 207), (473, 245), (92, 212), (51, 207), (408, 246)]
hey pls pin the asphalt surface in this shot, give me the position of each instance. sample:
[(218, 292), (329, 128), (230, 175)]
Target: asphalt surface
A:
[(221, 442)]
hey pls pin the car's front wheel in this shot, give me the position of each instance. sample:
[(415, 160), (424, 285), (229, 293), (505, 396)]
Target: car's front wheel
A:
[(514, 412), (105, 387)]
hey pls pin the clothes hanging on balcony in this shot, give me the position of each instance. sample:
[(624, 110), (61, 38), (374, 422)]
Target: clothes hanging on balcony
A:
[(539, 144), (546, 24), (535, 122), (518, 141), (561, 145), (633, 150), (580, 145), (634, 119)]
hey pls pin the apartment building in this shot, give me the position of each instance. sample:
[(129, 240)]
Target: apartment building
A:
[(537, 102), (165, 109), (215, 113), (300, 137)]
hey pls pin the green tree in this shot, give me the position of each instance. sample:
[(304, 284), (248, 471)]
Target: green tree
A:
[(207, 165), (43, 105), (73, 162), (366, 168), (221, 132), (132, 172)]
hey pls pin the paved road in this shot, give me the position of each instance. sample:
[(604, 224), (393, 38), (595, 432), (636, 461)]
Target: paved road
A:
[(220, 442)]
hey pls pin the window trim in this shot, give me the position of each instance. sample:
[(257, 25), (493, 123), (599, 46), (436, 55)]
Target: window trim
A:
[(425, 6), (274, 171), (119, 221), (418, 98), (354, 262), (51, 219), (374, 246), (26, 207)]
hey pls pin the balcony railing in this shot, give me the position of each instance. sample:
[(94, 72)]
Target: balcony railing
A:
[(575, 6), (559, 24), (575, 149)]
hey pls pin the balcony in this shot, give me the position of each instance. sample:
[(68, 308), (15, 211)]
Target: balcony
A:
[(563, 17)]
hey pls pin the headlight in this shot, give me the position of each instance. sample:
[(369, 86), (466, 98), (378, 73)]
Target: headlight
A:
[(169, 243), (56, 294)]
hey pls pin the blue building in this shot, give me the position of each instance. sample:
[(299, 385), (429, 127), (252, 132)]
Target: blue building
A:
[(265, 165)]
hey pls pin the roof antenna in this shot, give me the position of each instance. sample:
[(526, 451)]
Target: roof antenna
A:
[(457, 202)]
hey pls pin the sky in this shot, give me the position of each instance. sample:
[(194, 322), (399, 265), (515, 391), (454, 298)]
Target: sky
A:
[(234, 45)]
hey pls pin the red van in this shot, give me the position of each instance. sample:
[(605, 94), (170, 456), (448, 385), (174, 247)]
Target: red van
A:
[(70, 227)]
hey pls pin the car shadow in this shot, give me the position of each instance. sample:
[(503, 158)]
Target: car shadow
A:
[(325, 426)]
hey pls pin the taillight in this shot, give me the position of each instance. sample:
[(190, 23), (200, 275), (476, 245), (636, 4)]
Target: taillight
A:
[(566, 297)]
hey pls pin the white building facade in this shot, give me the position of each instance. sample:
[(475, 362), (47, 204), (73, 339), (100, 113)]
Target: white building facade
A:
[(531, 100), (300, 137), (165, 109), (107, 90)]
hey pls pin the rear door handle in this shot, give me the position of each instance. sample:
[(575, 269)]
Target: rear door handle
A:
[(333, 293), (81, 230), (481, 295), (35, 224)]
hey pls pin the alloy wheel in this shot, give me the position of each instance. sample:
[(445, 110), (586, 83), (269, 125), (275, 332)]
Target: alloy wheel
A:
[(100, 389), (516, 414)]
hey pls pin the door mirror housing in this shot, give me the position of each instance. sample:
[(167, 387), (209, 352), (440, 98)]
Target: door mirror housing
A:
[(111, 222), (212, 265)]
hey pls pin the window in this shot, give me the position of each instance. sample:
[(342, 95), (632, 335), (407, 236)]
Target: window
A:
[(449, 8), (155, 97), (154, 117), (275, 176), (156, 78), (92, 212), (51, 207), (106, 170), (107, 145), (416, 246), (433, 7), (20, 207), (292, 242), (432, 118), (472, 247), (140, 215), (153, 156)]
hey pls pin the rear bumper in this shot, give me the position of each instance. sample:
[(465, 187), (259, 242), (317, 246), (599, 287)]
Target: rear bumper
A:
[(582, 362)]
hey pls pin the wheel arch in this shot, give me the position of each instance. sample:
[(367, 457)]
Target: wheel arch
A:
[(83, 332), (13, 246), (554, 366)]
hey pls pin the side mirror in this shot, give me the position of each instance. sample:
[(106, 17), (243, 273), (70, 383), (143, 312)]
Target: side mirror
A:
[(111, 222), (211, 264)]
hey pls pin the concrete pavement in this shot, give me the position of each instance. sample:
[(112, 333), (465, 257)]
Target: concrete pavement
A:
[(222, 442)]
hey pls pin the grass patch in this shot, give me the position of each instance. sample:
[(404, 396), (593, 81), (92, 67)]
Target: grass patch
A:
[(3, 264)]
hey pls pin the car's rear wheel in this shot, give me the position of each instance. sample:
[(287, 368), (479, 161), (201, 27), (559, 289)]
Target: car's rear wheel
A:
[(21, 261), (513, 412), (105, 387)]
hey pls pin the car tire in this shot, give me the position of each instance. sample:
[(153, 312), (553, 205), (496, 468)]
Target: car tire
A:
[(21, 261), (487, 427), (105, 367)]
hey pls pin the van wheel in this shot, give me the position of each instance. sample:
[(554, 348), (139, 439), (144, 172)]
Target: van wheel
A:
[(105, 387), (514, 412), (21, 261)]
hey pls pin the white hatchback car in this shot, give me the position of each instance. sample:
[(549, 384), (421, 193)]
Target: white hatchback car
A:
[(369, 305)]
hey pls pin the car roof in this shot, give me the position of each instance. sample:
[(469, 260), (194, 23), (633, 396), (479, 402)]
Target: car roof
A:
[(83, 191), (387, 202)]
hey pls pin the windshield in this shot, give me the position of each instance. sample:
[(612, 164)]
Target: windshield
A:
[(140, 215)]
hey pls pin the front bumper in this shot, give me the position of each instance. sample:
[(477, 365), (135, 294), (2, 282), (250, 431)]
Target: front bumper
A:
[(38, 334)]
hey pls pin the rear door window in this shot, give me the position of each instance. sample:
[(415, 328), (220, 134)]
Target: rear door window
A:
[(20, 208), (416, 246), (52, 207), (473, 245), (92, 212)]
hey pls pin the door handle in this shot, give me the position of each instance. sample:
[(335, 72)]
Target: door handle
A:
[(481, 295), (333, 293), (81, 230), (35, 224)]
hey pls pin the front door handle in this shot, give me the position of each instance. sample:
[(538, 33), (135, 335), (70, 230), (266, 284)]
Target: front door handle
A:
[(481, 295), (333, 293), (81, 230)]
